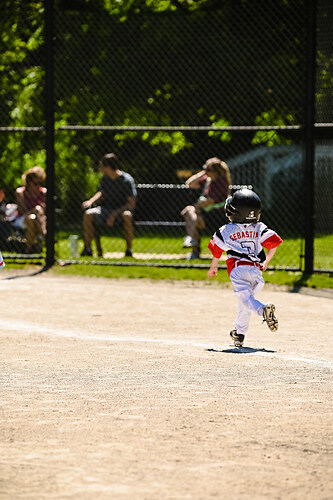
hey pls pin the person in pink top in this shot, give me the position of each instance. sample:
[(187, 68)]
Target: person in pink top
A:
[(214, 180), (31, 204)]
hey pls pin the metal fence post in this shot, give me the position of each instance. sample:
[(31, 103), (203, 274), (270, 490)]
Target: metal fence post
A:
[(49, 128), (309, 136)]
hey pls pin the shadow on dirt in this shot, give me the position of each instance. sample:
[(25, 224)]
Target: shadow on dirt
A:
[(241, 350), (28, 275)]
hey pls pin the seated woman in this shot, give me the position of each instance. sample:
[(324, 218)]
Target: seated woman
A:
[(214, 181), (31, 203)]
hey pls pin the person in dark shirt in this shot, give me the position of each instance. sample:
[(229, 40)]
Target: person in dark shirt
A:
[(116, 198)]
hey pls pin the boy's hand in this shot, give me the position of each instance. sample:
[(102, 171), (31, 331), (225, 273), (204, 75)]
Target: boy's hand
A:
[(212, 272), (269, 255)]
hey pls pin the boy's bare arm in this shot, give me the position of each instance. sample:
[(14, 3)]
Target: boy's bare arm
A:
[(212, 271), (269, 256)]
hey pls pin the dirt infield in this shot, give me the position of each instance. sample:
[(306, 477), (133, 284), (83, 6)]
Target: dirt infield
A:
[(130, 390)]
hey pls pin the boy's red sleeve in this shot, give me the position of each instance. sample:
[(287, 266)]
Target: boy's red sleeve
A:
[(216, 251), (272, 242)]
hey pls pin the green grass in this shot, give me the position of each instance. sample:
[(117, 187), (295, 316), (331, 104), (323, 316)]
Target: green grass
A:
[(323, 252), (286, 278), (288, 255)]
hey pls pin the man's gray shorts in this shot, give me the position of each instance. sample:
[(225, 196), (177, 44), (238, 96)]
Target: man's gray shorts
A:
[(101, 214)]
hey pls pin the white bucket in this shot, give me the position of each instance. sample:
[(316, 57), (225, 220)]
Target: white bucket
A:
[(73, 245)]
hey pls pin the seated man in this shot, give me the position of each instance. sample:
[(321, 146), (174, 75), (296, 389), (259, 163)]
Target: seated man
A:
[(213, 180), (117, 197)]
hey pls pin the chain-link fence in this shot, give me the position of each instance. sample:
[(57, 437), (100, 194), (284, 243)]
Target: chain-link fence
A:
[(166, 86)]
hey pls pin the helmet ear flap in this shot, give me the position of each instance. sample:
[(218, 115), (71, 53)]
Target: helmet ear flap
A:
[(227, 204), (228, 209)]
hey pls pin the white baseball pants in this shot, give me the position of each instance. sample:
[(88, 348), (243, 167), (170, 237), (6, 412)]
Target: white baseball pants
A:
[(247, 282)]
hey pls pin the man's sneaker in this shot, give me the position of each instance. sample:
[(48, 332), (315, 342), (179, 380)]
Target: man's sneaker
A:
[(238, 338), (269, 317), (189, 242), (86, 252), (128, 253)]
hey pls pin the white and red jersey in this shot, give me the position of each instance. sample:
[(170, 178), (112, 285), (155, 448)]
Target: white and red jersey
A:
[(2, 264), (243, 242)]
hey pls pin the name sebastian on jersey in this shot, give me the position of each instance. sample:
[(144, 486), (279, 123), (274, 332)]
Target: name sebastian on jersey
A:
[(244, 234)]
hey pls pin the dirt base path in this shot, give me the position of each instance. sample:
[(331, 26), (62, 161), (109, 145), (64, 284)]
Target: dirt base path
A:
[(130, 390)]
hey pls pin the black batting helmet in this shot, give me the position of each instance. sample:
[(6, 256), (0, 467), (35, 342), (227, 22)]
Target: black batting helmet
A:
[(244, 206)]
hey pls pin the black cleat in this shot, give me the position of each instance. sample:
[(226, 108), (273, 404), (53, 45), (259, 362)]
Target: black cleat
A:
[(269, 317), (238, 338)]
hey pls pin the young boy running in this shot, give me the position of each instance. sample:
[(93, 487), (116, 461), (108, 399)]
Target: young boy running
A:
[(243, 239)]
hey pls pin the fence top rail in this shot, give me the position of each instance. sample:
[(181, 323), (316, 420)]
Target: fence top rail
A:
[(22, 129), (245, 128)]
